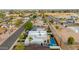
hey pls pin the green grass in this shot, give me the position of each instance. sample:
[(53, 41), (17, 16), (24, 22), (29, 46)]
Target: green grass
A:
[(20, 46)]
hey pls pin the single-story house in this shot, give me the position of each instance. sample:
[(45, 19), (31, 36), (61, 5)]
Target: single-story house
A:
[(38, 37)]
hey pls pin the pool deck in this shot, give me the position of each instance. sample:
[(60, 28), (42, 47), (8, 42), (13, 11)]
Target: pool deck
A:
[(55, 34)]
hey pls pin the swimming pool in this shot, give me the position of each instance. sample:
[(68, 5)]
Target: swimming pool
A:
[(52, 42)]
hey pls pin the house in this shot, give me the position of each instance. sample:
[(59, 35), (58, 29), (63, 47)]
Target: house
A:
[(39, 37), (56, 20), (5, 26)]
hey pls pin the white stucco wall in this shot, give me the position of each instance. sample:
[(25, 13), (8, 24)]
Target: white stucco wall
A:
[(37, 36)]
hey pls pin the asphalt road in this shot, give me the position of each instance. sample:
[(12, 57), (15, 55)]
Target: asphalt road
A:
[(10, 41)]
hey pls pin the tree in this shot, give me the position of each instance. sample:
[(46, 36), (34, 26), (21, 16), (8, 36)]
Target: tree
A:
[(2, 15), (51, 21), (76, 19), (53, 11), (57, 27), (34, 16), (71, 40), (61, 23), (22, 37), (28, 26)]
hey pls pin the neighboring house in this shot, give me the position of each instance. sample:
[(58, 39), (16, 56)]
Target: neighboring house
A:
[(70, 21), (38, 22), (5, 26), (56, 20), (40, 18), (38, 37), (26, 18)]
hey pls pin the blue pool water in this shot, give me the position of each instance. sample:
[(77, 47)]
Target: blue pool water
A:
[(52, 42)]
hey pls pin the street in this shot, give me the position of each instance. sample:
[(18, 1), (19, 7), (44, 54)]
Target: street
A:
[(10, 41)]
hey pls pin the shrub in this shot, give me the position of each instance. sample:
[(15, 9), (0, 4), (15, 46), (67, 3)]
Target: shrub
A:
[(61, 23), (23, 36), (28, 26), (71, 40), (21, 40), (19, 47), (2, 15), (57, 27), (48, 30), (30, 38)]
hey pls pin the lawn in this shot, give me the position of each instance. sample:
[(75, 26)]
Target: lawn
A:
[(19, 46)]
